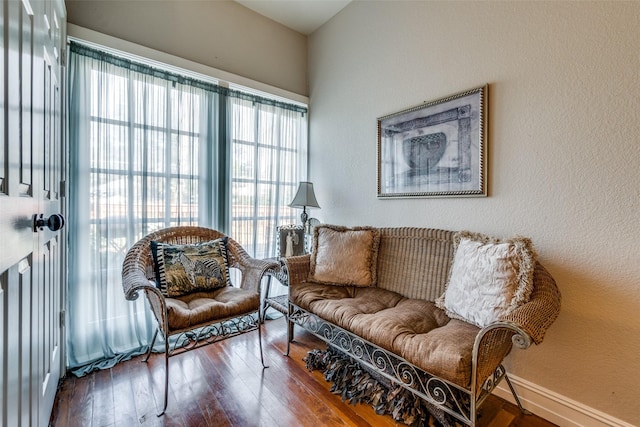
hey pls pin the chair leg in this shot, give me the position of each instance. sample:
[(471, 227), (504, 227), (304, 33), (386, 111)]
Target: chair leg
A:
[(515, 396), (153, 341), (260, 344), (263, 301), (166, 376)]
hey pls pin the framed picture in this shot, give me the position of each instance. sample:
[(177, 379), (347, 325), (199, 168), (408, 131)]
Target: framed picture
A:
[(437, 149), (290, 240)]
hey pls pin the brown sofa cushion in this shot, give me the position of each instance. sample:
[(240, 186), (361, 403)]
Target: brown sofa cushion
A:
[(344, 256), (445, 351), (339, 304), (414, 329), (201, 307)]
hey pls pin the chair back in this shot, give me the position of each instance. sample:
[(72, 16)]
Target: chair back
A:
[(140, 260)]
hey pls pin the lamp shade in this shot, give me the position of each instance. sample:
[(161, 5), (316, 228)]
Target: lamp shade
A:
[(305, 196)]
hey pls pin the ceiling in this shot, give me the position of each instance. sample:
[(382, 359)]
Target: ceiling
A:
[(303, 16)]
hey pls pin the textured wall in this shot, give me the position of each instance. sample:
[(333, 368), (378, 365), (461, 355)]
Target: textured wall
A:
[(563, 147), (220, 34)]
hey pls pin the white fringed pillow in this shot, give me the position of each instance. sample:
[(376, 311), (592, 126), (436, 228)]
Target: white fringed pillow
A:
[(489, 278)]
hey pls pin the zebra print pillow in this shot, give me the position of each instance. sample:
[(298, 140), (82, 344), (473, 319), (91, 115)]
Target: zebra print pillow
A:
[(183, 269)]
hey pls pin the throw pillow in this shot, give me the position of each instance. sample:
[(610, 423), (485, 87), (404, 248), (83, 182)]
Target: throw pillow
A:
[(345, 256), (183, 269), (489, 278)]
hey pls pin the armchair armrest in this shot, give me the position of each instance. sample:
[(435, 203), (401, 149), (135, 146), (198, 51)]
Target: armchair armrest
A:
[(299, 268), (137, 268), (135, 279), (252, 269)]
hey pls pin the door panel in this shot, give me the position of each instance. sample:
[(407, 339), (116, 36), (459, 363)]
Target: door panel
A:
[(24, 295), (3, 163), (48, 327), (50, 203), (4, 166), (26, 65), (30, 262)]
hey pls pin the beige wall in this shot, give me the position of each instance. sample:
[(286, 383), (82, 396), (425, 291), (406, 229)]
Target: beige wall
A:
[(564, 135), (219, 34)]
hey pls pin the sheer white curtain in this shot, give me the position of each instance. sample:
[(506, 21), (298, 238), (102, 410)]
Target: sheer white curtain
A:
[(268, 159), (151, 149), (267, 163)]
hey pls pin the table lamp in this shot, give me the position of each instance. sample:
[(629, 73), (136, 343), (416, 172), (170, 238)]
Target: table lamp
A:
[(305, 197)]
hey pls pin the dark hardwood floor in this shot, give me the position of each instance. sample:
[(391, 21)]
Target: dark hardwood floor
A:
[(223, 384)]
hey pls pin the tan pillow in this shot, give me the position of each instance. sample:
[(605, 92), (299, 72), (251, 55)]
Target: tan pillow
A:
[(345, 256), (489, 278)]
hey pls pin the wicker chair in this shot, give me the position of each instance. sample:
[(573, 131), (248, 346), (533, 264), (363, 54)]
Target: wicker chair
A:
[(215, 315)]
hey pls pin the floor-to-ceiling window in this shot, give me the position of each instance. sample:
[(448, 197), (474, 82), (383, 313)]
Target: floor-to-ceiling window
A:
[(151, 149), (266, 164)]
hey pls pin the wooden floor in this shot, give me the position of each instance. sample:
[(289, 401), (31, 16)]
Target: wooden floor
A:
[(223, 384)]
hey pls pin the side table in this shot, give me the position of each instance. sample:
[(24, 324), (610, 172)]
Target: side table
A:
[(277, 302)]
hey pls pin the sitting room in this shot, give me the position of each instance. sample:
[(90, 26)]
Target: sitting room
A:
[(402, 213)]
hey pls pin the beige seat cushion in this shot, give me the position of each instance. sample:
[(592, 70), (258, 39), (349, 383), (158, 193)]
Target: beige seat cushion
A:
[(339, 304), (414, 329), (202, 307)]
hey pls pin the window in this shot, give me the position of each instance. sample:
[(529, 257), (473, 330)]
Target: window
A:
[(151, 149), (265, 170), (144, 149)]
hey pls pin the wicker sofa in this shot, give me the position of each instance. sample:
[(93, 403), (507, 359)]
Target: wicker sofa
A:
[(393, 325)]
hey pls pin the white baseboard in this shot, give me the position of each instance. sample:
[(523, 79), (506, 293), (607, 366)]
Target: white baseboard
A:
[(554, 407)]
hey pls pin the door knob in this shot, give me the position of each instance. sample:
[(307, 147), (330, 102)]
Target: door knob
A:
[(55, 222)]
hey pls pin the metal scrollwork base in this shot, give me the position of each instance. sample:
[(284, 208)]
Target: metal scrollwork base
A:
[(191, 339), (452, 399)]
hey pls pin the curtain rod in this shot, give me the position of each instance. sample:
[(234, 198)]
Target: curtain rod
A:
[(76, 46)]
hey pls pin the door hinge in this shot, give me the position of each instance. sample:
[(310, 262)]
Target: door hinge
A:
[(62, 318)]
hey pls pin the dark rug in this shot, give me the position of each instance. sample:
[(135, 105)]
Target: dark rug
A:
[(357, 385)]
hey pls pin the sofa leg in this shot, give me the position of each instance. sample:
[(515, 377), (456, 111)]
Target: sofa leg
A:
[(515, 396), (289, 335)]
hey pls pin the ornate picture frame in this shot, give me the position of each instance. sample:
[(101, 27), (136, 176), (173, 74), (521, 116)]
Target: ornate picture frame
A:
[(436, 149), (290, 240)]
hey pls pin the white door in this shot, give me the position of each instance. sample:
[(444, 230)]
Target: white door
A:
[(31, 160)]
